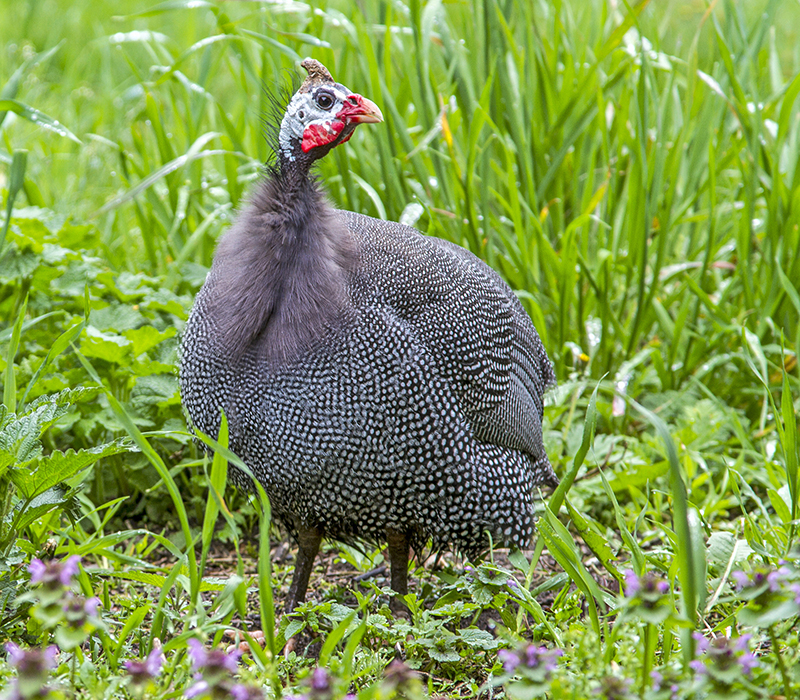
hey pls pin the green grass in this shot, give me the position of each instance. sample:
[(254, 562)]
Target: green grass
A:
[(632, 171)]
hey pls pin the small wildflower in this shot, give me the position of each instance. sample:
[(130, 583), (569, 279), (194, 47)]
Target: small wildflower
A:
[(742, 580), (702, 642), (542, 656), (795, 588), (774, 581), (79, 611), (320, 679), (213, 660), (200, 688), (613, 688), (510, 660), (142, 672), (646, 596), (246, 692), (531, 657), (31, 663), (698, 667), (399, 673), (37, 569), (33, 667), (657, 679), (213, 670), (91, 606), (54, 572), (725, 660), (632, 583)]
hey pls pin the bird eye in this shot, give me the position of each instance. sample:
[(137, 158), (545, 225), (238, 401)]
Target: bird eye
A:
[(324, 100)]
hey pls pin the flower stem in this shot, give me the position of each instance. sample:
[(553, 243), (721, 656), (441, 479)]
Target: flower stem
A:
[(647, 655), (787, 688)]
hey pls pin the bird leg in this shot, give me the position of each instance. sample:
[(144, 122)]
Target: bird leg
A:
[(308, 541), (398, 559)]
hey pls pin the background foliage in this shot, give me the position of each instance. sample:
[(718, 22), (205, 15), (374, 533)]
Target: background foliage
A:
[(631, 170)]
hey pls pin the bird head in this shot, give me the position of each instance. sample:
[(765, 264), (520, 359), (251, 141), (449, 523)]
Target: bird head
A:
[(321, 115)]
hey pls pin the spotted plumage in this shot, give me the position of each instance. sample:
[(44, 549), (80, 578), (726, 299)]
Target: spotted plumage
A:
[(377, 382)]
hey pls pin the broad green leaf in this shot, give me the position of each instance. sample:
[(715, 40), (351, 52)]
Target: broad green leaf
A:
[(36, 476)]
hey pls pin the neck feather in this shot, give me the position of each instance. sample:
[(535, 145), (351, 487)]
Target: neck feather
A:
[(279, 278)]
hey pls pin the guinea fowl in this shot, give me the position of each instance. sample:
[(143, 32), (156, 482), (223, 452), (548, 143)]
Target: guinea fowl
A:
[(380, 384)]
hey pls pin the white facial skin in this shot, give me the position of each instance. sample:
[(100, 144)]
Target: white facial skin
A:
[(319, 106)]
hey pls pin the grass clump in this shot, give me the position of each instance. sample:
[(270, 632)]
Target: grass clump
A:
[(631, 170)]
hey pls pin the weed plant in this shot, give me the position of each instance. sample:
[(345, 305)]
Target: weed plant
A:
[(630, 169)]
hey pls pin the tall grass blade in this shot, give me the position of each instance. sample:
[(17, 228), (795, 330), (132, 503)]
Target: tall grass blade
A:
[(10, 383)]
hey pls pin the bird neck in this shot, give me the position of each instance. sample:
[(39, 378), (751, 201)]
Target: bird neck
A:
[(280, 273)]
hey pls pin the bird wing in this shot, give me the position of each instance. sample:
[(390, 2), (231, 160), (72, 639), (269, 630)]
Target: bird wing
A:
[(474, 326)]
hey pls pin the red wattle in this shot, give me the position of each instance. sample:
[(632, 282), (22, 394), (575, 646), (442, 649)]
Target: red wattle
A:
[(321, 134)]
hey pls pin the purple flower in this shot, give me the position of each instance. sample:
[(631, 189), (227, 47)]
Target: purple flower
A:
[(91, 605), (197, 653), (69, 568), (213, 660), (246, 692), (613, 688), (532, 657), (398, 674), (722, 655), (31, 663), (647, 589), (542, 656), (698, 667), (742, 580), (632, 583), (510, 660), (37, 569), (79, 611), (774, 581), (142, 672), (658, 679), (743, 643), (748, 661), (199, 688), (54, 572), (795, 588), (320, 680), (702, 642)]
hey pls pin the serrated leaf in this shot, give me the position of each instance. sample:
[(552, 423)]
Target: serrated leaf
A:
[(44, 503), (37, 476), (444, 655), (478, 639)]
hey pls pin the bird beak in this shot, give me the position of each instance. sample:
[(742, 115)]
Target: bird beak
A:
[(360, 110)]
